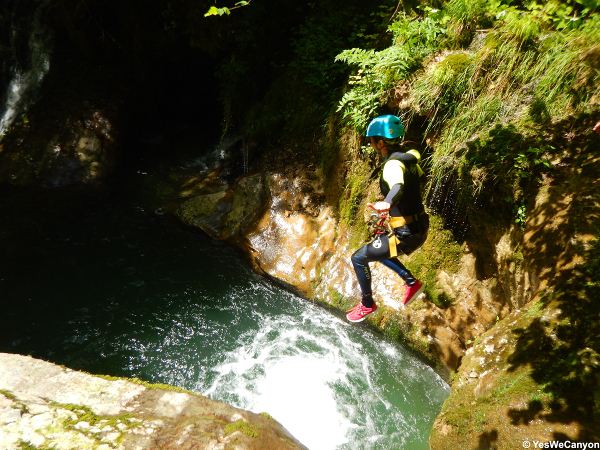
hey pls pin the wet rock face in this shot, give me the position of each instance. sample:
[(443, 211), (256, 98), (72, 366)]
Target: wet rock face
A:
[(225, 213), (281, 222), (84, 151), (533, 376), (47, 406), (289, 246), (277, 219), (295, 233)]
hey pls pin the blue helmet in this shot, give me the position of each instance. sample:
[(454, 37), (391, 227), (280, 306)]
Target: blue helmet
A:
[(386, 126)]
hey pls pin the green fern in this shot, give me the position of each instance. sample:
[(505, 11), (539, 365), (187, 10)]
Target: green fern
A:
[(378, 71), (486, 104)]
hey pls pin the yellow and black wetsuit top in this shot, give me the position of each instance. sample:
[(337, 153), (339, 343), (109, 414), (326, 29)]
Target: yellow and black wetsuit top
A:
[(400, 183)]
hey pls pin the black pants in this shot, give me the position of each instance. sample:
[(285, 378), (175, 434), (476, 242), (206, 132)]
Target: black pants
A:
[(411, 238)]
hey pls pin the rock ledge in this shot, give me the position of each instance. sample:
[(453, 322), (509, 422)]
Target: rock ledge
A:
[(45, 405)]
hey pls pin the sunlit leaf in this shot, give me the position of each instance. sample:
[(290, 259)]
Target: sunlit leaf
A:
[(213, 11)]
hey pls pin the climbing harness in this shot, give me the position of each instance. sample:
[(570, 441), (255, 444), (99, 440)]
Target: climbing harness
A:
[(378, 221), (396, 222), (381, 224)]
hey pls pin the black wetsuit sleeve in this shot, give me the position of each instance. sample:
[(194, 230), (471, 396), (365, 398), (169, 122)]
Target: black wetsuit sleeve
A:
[(395, 194)]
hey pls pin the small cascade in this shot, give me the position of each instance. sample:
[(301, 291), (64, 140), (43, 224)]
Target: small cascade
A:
[(30, 44), (209, 160)]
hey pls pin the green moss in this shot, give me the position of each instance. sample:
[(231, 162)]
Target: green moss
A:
[(391, 326), (477, 340), (439, 252), (161, 386), (456, 63), (480, 420), (248, 429), (357, 182), (85, 414), (535, 310), (8, 395), (511, 384), (26, 445), (339, 301), (461, 418), (200, 206)]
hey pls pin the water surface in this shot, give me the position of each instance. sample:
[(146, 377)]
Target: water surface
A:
[(95, 279)]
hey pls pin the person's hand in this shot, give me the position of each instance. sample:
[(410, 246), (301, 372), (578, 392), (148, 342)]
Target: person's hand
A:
[(380, 206), (597, 127)]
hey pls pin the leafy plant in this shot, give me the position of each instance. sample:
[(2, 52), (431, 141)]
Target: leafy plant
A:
[(214, 11), (440, 90), (466, 17), (377, 71), (421, 33), (487, 118), (520, 214), (564, 15)]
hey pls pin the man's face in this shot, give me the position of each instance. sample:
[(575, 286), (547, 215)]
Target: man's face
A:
[(373, 144)]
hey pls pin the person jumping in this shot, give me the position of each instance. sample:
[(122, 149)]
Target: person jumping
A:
[(400, 184)]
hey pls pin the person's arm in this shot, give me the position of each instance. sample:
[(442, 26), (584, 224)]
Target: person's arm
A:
[(395, 194), (393, 175)]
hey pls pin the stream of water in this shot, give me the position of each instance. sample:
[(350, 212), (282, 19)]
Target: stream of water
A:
[(25, 30), (94, 279)]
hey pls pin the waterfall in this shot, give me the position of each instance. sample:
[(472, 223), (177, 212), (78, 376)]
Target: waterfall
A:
[(30, 44)]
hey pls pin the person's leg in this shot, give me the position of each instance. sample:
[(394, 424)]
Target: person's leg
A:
[(408, 244), (413, 286), (400, 269), (360, 262), (378, 250)]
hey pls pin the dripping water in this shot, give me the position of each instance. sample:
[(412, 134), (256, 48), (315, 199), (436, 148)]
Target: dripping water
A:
[(447, 200)]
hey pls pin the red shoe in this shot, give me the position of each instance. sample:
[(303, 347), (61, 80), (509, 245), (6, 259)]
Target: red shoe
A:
[(359, 312), (413, 292)]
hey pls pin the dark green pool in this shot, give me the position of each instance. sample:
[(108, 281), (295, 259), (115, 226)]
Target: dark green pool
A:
[(95, 279)]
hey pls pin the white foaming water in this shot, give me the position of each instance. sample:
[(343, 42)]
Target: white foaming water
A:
[(211, 159), (311, 375), (290, 378)]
